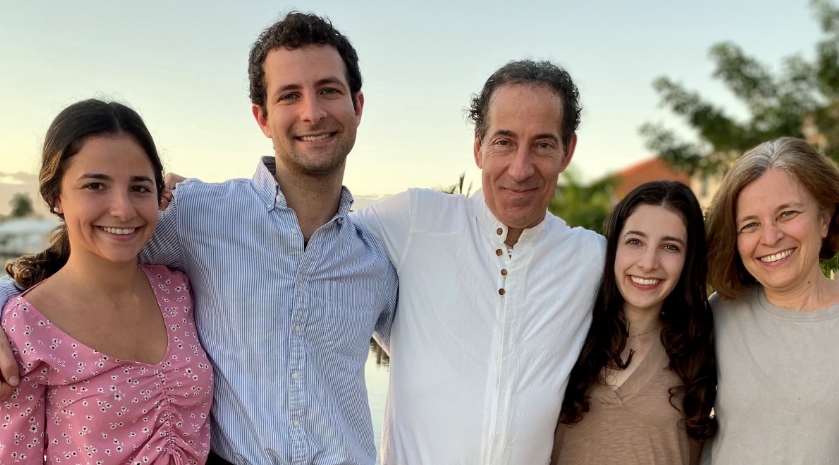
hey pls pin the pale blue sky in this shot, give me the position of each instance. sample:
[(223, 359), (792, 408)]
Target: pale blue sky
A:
[(182, 65)]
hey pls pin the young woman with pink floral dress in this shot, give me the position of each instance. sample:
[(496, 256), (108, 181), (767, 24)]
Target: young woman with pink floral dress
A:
[(112, 371)]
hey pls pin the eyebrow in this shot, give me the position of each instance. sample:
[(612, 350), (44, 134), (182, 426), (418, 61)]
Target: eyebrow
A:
[(666, 238), (105, 177), (509, 133), (319, 83), (780, 207)]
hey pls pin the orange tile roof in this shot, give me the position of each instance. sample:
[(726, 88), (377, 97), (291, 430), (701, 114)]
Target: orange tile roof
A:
[(653, 169)]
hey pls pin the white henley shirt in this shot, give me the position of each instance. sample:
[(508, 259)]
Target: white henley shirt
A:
[(482, 342)]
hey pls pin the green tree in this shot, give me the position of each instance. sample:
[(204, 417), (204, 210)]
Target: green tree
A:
[(584, 205), (457, 188), (21, 206), (801, 98)]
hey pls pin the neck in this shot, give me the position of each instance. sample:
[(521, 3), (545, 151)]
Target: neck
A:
[(88, 273), (815, 293), (314, 199), (640, 321), (513, 235)]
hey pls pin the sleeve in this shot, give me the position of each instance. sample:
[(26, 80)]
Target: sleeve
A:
[(381, 333), (390, 220), (23, 414), (8, 289), (165, 247)]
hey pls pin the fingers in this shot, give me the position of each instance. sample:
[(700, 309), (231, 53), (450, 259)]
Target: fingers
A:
[(8, 369), (171, 179)]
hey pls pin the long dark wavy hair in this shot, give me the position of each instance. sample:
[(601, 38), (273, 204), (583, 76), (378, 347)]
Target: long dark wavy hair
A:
[(65, 138), (687, 322)]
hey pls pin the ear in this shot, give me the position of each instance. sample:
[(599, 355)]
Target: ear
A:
[(479, 159), (261, 120), (826, 217), (569, 152), (359, 105), (56, 206)]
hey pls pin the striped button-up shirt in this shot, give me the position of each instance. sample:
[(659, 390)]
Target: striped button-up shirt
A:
[(287, 325)]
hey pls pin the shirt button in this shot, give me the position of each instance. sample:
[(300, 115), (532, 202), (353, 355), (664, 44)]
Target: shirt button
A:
[(297, 328), (498, 252), (503, 272), (294, 232), (501, 291), (499, 231), (278, 198), (295, 375), (295, 423)]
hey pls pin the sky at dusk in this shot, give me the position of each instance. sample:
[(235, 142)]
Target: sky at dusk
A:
[(182, 65)]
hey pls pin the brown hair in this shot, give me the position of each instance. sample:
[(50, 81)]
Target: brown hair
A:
[(65, 138), (816, 174)]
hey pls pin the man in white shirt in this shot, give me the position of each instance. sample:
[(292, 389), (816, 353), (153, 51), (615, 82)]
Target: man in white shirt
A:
[(495, 293)]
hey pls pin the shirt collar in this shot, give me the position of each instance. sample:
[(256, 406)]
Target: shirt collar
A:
[(272, 197), (497, 229)]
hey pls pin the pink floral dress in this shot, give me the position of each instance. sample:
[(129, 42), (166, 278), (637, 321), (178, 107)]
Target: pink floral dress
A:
[(78, 406)]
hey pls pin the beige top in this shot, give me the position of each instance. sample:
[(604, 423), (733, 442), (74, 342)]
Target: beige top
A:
[(633, 424)]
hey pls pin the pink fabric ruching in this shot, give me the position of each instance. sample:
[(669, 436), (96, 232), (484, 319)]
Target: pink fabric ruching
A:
[(79, 406)]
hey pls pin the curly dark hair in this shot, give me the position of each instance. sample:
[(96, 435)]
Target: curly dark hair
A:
[(687, 322), (298, 30), (65, 138), (529, 72)]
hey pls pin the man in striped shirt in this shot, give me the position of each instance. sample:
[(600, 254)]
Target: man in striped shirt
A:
[(287, 289)]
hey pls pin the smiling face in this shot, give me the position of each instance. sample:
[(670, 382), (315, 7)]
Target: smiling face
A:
[(310, 115), (521, 153), (649, 257), (780, 228), (108, 199)]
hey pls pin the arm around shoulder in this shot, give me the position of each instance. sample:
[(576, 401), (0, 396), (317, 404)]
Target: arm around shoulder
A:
[(391, 221)]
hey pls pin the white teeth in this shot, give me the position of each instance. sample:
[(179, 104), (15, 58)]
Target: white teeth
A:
[(775, 257), (311, 138), (119, 230), (644, 281)]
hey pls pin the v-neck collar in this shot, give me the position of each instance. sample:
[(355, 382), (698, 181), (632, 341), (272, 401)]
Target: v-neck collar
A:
[(655, 361)]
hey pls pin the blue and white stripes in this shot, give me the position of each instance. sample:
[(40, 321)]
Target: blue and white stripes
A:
[(286, 327)]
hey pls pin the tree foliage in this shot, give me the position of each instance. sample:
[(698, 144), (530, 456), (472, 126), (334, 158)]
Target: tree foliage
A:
[(584, 205), (457, 188), (801, 97), (21, 206)]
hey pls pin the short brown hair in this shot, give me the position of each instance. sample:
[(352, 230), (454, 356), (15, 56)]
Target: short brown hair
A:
[(813, 171), (298, 30)]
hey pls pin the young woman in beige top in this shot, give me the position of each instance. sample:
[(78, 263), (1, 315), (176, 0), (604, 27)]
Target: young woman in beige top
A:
[(643, 387)]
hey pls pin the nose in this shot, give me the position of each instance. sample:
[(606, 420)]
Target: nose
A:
[(521, 167), (311, 109), (649, 259), (771, 234), (122, 208)]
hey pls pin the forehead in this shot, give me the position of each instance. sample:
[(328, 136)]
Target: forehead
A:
[(656, 220), (303, 66), (525, 107), (773, 189), (109, 153)]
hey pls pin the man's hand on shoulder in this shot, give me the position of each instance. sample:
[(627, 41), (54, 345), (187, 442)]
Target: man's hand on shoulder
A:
[(170, 181), (9, 378)]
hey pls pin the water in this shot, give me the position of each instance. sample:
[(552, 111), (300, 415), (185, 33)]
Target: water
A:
[(376, 375)]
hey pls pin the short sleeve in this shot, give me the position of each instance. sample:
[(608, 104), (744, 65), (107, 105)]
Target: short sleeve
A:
[(390, 220), (23, 414)]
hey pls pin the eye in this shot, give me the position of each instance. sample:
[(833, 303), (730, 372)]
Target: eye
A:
[(788, 214), (502, 142), (94, 186), (141, 189), (544, 145), (748, 226), (330, 91), (633, 241), (288, 97), (671, 247)]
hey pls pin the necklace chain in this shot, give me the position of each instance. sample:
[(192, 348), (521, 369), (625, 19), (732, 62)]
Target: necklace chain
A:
[(645, 332)]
